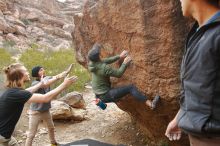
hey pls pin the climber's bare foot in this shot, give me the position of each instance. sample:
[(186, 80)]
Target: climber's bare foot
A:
[(149, 103), (152, 104)]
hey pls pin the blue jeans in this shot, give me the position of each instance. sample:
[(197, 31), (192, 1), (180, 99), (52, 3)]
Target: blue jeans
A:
[(115, 94)]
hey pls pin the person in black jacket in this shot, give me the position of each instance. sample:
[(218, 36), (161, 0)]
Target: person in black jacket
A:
[(199, 114)]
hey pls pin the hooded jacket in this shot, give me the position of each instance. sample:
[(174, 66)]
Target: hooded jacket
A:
[(101, 73), (200, 77)]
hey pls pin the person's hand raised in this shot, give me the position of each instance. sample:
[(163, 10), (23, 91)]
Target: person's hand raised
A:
[(65, 73), (61, 75), (70, 80), (69, 69)]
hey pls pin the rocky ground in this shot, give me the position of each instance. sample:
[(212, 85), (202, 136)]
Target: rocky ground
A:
[(111, 126)]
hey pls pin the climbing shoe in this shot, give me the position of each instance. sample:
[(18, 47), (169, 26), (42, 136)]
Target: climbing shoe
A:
[(155, 101)]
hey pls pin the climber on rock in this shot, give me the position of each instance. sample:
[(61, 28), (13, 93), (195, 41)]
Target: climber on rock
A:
[(101, 73)]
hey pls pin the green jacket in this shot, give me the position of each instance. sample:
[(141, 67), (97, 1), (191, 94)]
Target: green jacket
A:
[(101, 73)]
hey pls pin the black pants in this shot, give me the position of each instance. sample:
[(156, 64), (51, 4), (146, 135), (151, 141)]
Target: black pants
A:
[(115, 94)]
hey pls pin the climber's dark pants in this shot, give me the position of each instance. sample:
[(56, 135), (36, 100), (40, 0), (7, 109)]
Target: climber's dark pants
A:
[(115, 94)]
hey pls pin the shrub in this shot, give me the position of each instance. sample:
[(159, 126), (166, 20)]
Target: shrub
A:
[(5, 58), (10, 47), (34, 46), (26, 21), (8, 43), (54, 63)]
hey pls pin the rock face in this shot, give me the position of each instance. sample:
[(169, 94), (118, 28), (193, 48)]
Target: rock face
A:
[(47, 6), (47, 23), (153, 32)]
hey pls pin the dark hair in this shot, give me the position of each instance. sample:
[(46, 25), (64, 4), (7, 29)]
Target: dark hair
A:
[(14, 74), (35, 71), (94, 53)]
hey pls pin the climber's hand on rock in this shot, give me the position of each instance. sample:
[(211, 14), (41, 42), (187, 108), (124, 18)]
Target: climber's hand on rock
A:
[(127, 60), (173, 132), (124, 54)]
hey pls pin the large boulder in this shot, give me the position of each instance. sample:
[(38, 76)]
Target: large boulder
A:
[(31, 14), (58, 32), (20, 30), (3, 5), (12, 37), (62, 111), (74, 99), (47, 6), (3, 24), (34, 14), (153, 32), (13, 20), (35, 31)]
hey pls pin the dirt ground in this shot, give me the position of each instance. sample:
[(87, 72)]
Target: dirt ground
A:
[(112, 126)]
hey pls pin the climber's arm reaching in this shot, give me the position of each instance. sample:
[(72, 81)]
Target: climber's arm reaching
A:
[(115, 58), (118, 72), (111, 59)]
